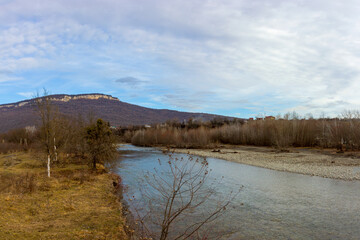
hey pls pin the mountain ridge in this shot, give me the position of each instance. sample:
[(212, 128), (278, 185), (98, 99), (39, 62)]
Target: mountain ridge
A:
[(61, 97), (23, 113)]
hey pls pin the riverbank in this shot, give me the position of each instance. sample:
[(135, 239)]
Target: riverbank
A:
[(75, 203), (311, 162)]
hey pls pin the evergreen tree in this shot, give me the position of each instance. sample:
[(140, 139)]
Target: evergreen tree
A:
[(101, 142)]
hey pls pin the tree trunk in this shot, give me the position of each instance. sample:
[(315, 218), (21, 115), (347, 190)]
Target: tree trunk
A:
[(94, 163), (55, 152), (48, 165)]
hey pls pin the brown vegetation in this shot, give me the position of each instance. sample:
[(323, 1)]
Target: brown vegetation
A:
[(68, 138), (76, 203), (342, 133)]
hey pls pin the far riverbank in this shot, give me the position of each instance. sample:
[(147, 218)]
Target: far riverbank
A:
[(304, 161)]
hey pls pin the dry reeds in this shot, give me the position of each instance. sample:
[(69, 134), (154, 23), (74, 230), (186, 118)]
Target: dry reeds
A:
[(341, 133)]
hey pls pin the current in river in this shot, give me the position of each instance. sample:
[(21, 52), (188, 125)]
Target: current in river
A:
[(271, 204)]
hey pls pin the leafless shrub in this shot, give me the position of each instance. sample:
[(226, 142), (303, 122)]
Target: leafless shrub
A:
[(44, 186), (7, 147), (80, 175), (173, 198), (291, 130), (18, 183)]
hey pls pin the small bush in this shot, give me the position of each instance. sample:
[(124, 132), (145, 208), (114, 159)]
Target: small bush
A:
[(18, 183), (10, 147)]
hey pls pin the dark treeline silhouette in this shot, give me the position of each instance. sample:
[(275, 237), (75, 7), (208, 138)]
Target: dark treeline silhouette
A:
[(289, 130)]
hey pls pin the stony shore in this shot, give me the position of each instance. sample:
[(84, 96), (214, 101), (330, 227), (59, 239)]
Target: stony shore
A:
[(303, 161)]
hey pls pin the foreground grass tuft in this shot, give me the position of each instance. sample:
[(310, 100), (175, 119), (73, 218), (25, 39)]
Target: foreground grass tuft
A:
[(73, 204)]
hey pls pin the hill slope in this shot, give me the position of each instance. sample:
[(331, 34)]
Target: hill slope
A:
[(22, 114)]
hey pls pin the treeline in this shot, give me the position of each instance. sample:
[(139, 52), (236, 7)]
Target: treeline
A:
[(70, 138), (125, 134), (290, 130), (16, 140), (59, 139), (69, 134)]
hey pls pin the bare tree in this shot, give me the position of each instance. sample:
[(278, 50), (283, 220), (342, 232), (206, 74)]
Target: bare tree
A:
[(47, 129), (178, 201)]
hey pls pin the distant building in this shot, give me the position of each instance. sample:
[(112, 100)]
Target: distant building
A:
[(251, 119), (269, 118)]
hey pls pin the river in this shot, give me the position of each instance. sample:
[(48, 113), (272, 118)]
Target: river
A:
[(271, 204)]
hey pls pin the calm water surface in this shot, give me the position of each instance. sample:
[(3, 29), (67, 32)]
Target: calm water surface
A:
[(271, 204)]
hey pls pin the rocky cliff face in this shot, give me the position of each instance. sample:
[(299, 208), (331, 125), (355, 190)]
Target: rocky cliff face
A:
[(61, 98), (96, 96)]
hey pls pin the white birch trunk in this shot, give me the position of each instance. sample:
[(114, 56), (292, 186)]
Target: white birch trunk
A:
[(55, 151), (48, 165)]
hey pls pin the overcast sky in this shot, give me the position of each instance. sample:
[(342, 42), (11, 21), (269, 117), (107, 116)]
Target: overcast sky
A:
[(231, 57)]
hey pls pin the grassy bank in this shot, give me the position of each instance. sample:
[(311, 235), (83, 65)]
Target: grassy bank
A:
[(75, 203)]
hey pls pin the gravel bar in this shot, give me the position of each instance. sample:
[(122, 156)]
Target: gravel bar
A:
[(303, 162)]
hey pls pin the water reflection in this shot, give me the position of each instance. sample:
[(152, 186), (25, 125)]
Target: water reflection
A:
[(272, 204)]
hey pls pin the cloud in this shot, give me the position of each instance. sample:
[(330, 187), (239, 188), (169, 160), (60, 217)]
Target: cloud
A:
[(5, 72), (129, 81), (8, 79), (27, 94), (7, 76), (256, 55)]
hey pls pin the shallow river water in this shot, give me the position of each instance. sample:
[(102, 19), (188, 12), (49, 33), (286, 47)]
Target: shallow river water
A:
[(271, 204)]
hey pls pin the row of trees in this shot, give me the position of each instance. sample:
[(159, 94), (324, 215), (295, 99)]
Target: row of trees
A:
[(290, 130), (59, 137)]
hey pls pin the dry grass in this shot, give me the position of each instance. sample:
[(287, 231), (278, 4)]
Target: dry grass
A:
[(74, 204)]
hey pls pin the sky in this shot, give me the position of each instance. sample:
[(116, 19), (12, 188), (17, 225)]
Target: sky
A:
[(238, 58)]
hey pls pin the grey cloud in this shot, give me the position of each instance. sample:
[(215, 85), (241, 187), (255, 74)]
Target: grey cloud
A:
[(5, 72), (298, 51), (330, 104), (129, 81)]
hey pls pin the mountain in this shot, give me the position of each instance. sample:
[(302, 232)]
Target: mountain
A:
[(118, 113)]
